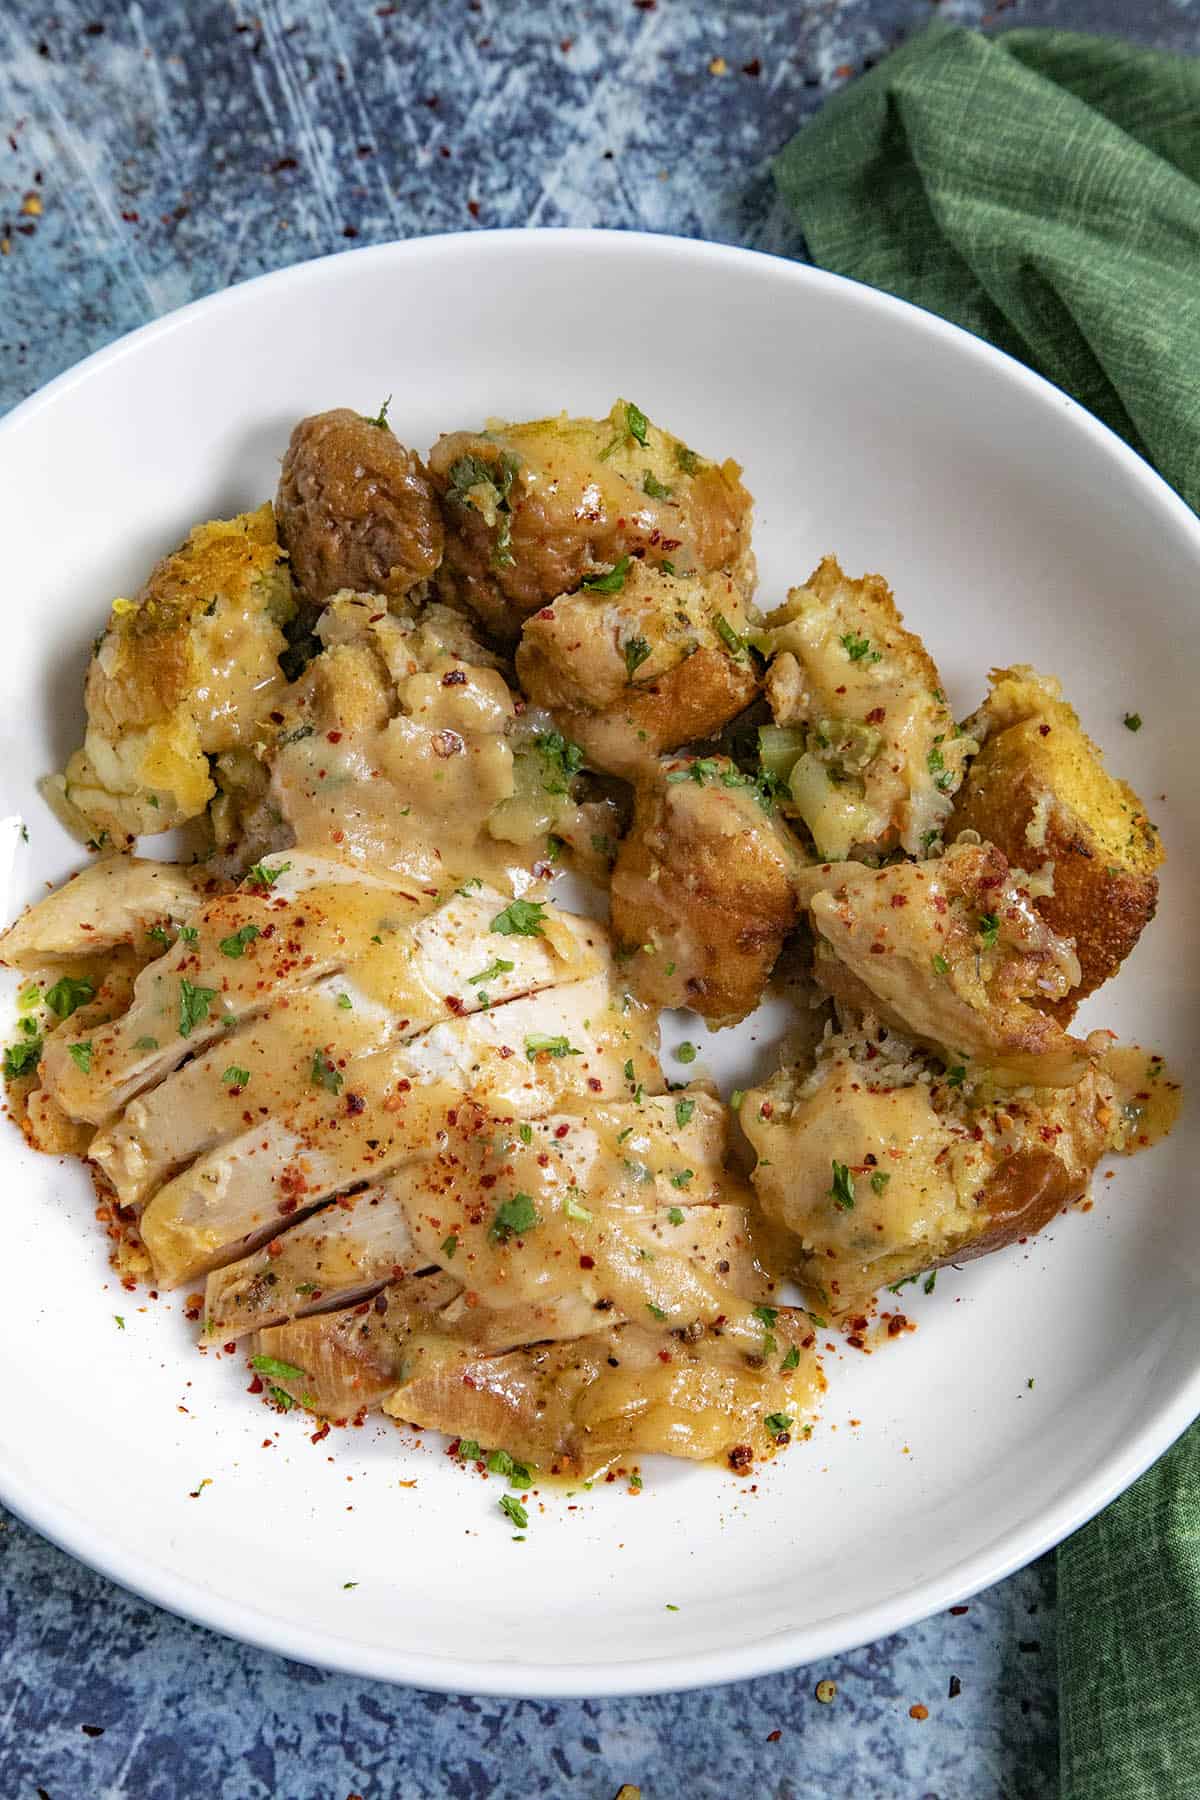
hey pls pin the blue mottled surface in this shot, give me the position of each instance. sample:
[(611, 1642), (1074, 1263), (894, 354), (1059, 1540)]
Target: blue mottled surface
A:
[(177, 146)]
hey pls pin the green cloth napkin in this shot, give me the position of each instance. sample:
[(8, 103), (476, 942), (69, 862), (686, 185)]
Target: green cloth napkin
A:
[(1040, 189)]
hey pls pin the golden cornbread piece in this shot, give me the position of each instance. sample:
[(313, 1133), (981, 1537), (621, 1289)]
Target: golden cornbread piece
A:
[(185, 670), (864, 737), (703, 890), (533, 509), (951, 953), (1039, 790), (658, 662), (883, 1166)]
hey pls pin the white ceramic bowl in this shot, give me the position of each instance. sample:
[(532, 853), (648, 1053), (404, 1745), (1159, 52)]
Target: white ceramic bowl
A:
[(1013, 528)]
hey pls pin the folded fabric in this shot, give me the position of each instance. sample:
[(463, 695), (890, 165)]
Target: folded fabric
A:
[(1040, 188)]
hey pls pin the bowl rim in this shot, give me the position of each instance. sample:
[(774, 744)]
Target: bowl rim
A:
[(1009, 1550)]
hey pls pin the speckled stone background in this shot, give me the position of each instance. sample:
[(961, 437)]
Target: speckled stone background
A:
[(157, 152)]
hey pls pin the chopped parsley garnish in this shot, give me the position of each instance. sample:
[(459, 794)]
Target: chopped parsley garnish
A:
[(989, 930), (935, 762), (668, 568), (561, 759), (29, 996), (687, 459), (573, 1210), (538, 1044), (188, 934), (879, 1180), (956, 1076), (146, 1043), (278, 1371), (656, 1311), (236, 1077), (675, 1214), (500, 966), (930, 1281), (469, 885), (929, 838), (778, 1424), (767, 1315), (940, 965), (324, 1074), (468, 1450), (22, 1059), (611, 582), (513, 1218), (263, 877), (858, 649), (842, 1191), (792, 1359), (449, 1246), (636, 423), (683, 1111), (345, 1002), (81, 1056), (285, 1403), (525, 1133), (499, 1462), (736, 1098), (728, 636), (381, 417), (653, 487), (194, 1004), (120, 1321), (683, 1177), (1132, 721), (160, 934), (68, 995), (512, 1509), (521, 918), (686, 1052), (636, 652), (235, 944), (471, 472)]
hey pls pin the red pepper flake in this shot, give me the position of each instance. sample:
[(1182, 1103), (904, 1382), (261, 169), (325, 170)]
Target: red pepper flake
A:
[(317, 1436), (899, 899), (1044, 730), (773, 1737), (956, 1612), (560, 1131), (587, 1262), (473, 208), (256, 1386), (753, 68), (918, 1711)]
